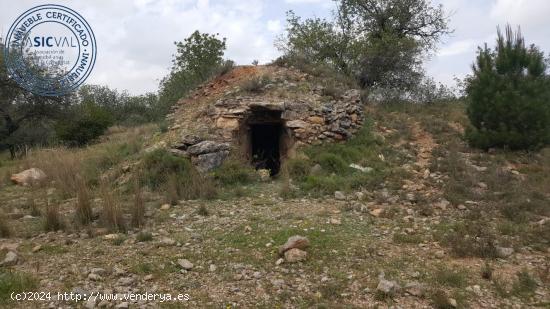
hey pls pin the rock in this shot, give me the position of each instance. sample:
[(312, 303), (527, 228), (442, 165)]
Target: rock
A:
[(165, 207), (207, 147), (210, 161), (361, 168), (388, 287), (185, 264), (98, 271), (453, 302), (440, 254), (503, 252), (36, 248), (297, 124), (125, 281), (95, 277), (359, 195), (28, 177), (415, 289), (265, 174), (377, 212), (90, 303), (316, 120), (11, 259), (190, 139), (123, 305), (442, 204), (280, 261), (316, 169), (295, 255), (165, 241), (294, 242), (148, 278), (339, 196), (461, 207), (212, 268), (335, 221)]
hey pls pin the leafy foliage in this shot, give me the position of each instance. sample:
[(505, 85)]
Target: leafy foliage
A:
[(89, 121), (380, 42), (509, 96), (198, 57)]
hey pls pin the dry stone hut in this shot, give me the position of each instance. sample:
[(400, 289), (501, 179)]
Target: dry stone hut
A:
[(262, 114)]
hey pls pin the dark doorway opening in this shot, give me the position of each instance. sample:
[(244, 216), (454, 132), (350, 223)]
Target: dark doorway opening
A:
[(265, 140)]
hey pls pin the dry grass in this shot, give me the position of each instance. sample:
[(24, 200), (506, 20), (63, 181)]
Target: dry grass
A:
[(83, 205), (111, 215), (138, 207), (52, 219), (5, 230)]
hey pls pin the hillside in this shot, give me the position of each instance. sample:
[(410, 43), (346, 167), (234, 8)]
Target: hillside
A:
[(452, 227)]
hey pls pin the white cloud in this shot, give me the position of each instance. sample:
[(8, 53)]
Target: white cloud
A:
[(274, 25), (457, 48)]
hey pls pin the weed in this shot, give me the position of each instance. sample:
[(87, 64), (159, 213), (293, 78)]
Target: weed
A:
[(255, 85), (487, 271), (144, 236), (440, 300), (525, 285), (83, 205), (118, 240), (471, 239), (52, 219), (401, 238), (138, 207), (203, 211), (14, 282), (5, 230), (111, 213), (234, 172), (449, 277)]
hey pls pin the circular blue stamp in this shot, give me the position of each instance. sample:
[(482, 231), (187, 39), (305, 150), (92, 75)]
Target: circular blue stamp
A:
[(50, 50)]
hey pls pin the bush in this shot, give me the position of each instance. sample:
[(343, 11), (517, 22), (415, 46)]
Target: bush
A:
[(86, 124), (5, 230), (332, 163), (234, 172), (509, 96), (162, 170)]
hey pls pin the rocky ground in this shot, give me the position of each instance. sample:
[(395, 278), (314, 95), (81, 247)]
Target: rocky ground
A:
[(406, 243)]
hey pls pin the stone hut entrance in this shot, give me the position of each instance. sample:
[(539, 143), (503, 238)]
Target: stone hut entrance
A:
[(265, 139), (266, 153)]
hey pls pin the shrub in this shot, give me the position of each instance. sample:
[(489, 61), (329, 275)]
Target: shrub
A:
[(471, 239), (144, 236), (234, 172), (332, 163), (87, 124), (253, 85), (162, 170), (509, 96), (525, 285), (159, 164)]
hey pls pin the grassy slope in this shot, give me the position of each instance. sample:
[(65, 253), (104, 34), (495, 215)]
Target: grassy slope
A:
[(413, 239)]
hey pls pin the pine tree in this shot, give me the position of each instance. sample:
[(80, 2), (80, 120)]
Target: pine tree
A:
[(509, 96)]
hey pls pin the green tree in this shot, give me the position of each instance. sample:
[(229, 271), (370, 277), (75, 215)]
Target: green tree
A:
[(87, 122), (25, 119), (198, 57), (381, 42), (509, 95)]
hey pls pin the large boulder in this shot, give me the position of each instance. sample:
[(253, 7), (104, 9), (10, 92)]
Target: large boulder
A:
[(207, 147), (209, 161), (294, 242), (28, 177)]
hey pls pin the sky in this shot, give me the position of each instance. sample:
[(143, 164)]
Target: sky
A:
[(135, 38)]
